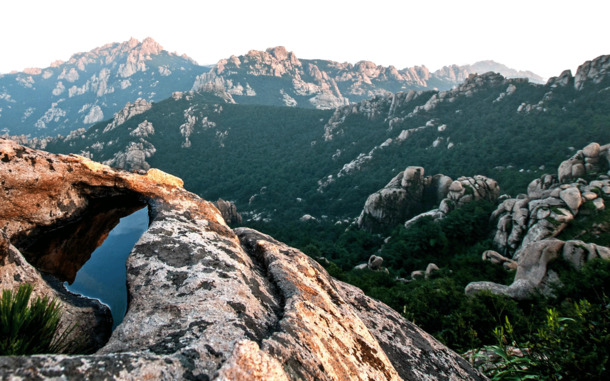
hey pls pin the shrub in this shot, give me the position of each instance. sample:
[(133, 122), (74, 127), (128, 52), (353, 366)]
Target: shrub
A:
[(30, 329), (576, 347)]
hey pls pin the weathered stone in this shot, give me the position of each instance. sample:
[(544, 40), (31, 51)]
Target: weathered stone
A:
[(575, 252), (418, 274), (498, 259), (456, 187), (572, 198), (589, 196), (228, 210), (531, 276), (592, 150), (375, 262), (431, 268)]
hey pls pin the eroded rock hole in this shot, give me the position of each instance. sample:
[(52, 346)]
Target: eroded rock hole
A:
[(87, 251), (103, 276)]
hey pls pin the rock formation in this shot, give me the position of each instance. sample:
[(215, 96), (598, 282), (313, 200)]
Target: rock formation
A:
[(323, 84), (533, 275), (409, 194), (228, 210), (552, 201), (204, 301), (527, 226)]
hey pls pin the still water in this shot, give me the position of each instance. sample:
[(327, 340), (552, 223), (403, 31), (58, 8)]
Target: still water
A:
[(103, 277)]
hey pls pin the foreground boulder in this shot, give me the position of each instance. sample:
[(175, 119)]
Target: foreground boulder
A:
[(205, 302)]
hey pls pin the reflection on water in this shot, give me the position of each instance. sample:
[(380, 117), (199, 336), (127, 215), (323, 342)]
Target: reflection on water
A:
[(103, 276)]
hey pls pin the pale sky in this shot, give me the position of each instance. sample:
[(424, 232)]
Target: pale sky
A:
[(544, 36)]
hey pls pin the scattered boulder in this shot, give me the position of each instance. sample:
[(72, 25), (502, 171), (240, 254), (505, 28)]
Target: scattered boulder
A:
[(375, 262), (228, 210), (431, 268), (498, 259)]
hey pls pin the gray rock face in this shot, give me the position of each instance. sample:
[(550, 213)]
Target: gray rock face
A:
[(409, 194), (592, 71), (205, 302), (551, 202), (391, 205)]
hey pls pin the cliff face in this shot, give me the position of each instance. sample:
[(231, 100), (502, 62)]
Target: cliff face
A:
[(204, 301)]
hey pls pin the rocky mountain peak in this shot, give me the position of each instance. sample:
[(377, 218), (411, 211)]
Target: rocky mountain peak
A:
[(91, 86), (594, 71)]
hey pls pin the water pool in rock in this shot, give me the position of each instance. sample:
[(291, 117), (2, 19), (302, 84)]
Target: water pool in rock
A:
[(103, 276)]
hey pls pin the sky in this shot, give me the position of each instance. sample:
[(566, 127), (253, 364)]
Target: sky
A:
[(543, 36)]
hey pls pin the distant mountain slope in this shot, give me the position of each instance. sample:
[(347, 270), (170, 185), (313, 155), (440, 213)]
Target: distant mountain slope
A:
[(281, 162), (278, 77), (91, 87), (457, 73)]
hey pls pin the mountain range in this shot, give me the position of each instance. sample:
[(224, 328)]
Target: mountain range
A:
[(92, 86), (277, 77)]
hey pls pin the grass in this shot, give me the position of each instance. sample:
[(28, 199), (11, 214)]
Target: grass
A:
[(31, 327)]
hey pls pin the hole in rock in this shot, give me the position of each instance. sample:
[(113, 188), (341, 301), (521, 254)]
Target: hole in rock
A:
[(103, 276), (88, 250)]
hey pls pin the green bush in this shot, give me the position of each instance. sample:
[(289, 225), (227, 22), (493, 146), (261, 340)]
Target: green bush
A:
[(30, 329), (576, 347)]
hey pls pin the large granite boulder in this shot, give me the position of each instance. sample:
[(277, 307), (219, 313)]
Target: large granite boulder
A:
[(410, 196), (204, 301), (552, 201)]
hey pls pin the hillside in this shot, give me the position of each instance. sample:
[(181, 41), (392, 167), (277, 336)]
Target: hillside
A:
[(91, 87), (280, 162)]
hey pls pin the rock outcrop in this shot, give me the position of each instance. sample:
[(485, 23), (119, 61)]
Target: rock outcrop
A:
[(408, 195), (552, 201), (228, 210), (205, 302), (533, 275), (527, 226)]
